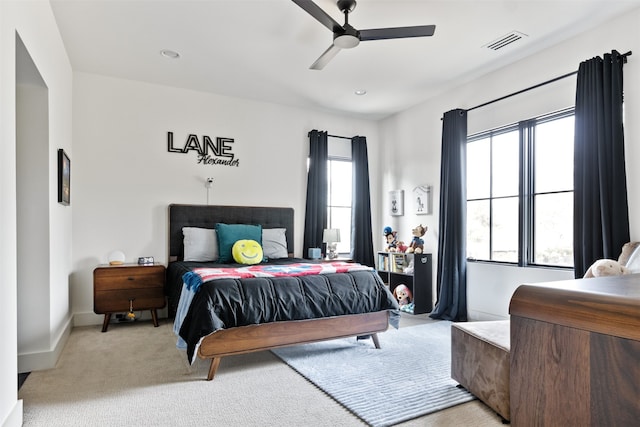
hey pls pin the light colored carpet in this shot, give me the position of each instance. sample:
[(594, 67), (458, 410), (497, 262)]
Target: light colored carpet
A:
[(134, 375), (409, 376)]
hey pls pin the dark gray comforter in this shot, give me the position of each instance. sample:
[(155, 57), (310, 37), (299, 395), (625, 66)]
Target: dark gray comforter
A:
[(225, 303)]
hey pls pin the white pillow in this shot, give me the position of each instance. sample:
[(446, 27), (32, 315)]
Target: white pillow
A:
[(633, 263), (200, 244), (274, 243)]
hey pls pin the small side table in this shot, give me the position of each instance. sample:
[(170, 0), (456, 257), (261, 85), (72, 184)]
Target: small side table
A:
[(117, 288)]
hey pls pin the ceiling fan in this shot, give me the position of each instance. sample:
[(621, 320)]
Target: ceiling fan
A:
[(346, 37)]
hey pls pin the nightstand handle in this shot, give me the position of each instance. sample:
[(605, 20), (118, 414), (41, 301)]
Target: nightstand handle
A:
[(131, 278)]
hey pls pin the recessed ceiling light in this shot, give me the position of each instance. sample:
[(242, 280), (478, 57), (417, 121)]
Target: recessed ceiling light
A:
[(169, 54), (360, 92)]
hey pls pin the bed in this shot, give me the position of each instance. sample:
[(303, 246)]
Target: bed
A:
[(224, 316)]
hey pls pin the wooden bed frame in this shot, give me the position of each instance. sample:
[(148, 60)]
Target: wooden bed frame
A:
[(247, 339)]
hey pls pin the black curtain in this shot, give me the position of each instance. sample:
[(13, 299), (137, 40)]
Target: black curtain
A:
[(315, 219), (452, 248), (601, 217), (361, 233)]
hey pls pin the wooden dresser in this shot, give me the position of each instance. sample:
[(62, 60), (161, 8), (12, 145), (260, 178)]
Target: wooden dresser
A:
[(575, 353), (118, 288)]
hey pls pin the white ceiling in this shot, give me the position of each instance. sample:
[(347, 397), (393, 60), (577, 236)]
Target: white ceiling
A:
[(262, 49)]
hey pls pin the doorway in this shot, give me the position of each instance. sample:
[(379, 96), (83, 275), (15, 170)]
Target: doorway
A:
[(32, 206)]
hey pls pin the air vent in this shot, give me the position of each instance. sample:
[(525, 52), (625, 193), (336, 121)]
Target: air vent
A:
[(505, 40)]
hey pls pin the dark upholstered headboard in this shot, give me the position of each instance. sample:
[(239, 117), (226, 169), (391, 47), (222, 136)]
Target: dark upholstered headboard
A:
[(207, 216)]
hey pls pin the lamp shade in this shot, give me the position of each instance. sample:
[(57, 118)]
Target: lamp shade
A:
[(331, 235), (116, 258)]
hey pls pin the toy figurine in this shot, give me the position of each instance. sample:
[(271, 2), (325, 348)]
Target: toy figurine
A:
[(403, 295), (390, 237), (417, 244)]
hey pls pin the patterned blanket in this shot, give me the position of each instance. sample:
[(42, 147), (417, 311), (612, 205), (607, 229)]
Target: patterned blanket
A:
[(197, 276)]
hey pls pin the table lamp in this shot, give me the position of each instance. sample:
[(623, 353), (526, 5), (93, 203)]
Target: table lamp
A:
[(331, 236)]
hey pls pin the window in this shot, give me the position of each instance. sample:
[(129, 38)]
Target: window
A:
[(520, 192), (339, 172)]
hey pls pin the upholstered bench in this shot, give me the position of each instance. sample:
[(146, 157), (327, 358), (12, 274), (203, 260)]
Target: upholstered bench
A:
[(480, 361)]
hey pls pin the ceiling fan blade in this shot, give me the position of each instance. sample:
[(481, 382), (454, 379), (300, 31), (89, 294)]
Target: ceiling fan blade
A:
[(397, 33), (314, 10), (324, 59)]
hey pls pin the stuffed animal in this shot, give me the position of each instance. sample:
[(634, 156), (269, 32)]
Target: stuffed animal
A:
[(627, 250), (391, 239), (606, 267), (410, 268), (403, 295), (417, 244)]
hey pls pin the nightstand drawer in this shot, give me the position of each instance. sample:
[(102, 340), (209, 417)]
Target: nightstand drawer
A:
[(114, 278), (118, 300)]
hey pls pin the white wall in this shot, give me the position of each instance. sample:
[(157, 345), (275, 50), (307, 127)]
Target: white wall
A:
[(124, 178), (411, 144), (34, 23)]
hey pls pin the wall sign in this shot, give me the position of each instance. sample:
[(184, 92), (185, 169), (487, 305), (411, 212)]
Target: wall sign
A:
[(210, 152)]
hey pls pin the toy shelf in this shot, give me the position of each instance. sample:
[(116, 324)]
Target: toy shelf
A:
[(393, 270)]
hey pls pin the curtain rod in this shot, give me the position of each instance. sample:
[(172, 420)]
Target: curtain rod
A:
[(334, 136), (624, 59), (337, 136)]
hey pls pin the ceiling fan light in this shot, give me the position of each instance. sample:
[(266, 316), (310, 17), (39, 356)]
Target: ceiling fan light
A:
[(346, 41)]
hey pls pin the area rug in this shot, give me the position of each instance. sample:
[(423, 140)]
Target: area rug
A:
[(410, 376)]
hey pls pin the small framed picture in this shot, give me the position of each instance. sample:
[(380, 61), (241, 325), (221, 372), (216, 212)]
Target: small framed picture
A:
[(396, 202), (64, 178), (422, 200)]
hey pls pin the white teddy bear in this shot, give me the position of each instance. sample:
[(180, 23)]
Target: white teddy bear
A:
[(606, 267)]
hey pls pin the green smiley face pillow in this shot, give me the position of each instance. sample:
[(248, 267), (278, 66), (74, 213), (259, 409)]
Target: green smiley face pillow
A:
[(247, 252)]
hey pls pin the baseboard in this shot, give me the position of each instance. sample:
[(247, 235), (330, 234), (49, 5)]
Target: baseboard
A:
[(15, 417), (37, 361)]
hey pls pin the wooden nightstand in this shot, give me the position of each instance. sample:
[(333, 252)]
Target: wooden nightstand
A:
[(117, 287)]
